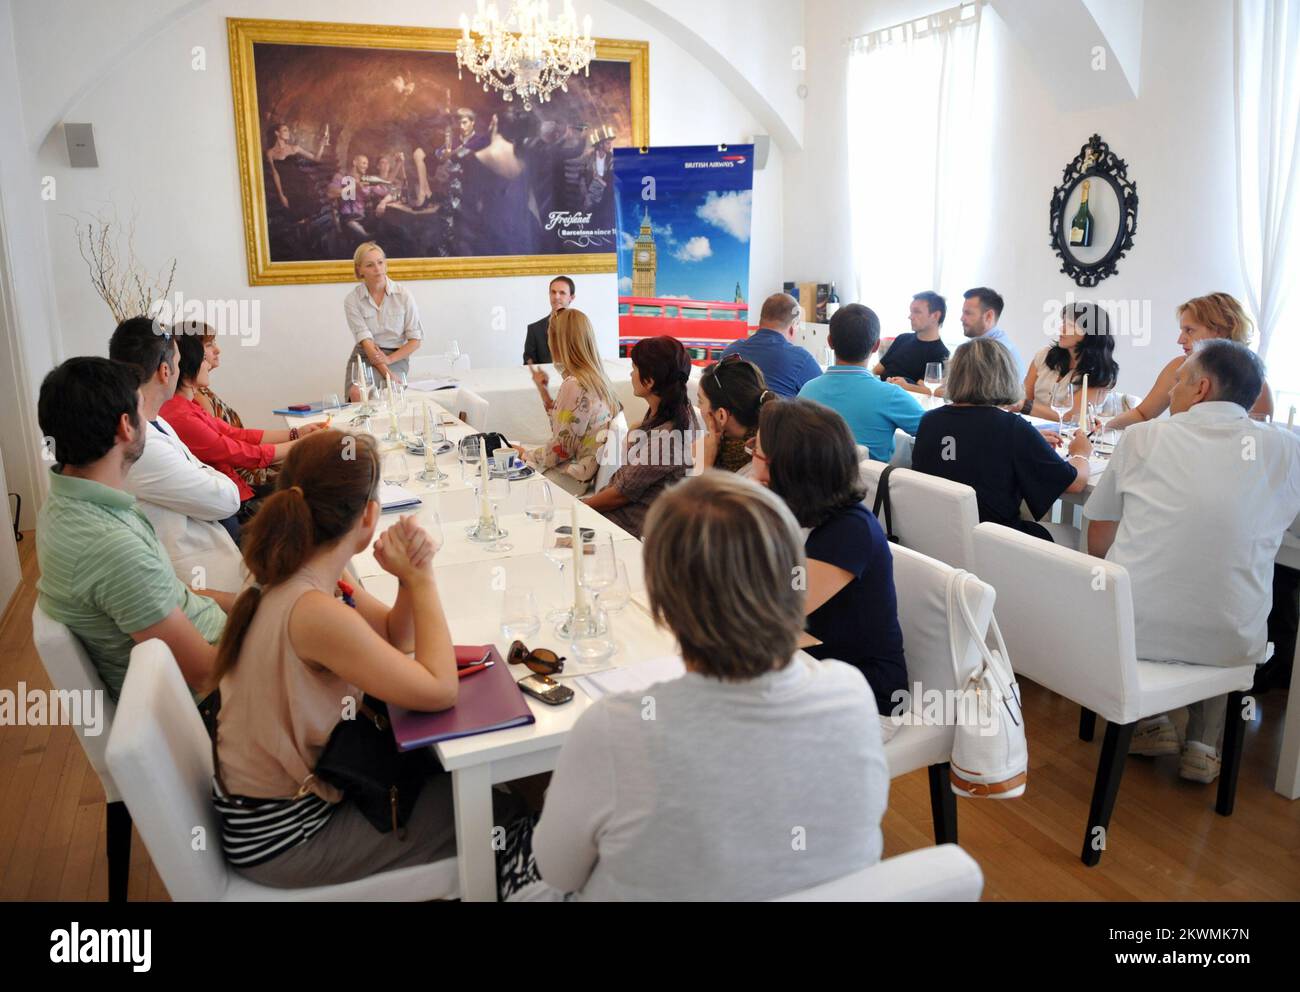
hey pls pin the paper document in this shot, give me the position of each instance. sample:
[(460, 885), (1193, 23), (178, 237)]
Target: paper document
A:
[(632, 678)]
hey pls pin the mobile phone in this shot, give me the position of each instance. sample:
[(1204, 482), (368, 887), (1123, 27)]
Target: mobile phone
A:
[(546, 689), (301, 408), (588, 533)]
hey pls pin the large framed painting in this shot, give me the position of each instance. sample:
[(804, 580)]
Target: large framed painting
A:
[(350, 133)]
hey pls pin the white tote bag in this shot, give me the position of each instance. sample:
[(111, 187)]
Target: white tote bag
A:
[(990, 757)]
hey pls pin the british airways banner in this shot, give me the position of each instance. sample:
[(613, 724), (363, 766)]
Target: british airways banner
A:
[(683, 219)]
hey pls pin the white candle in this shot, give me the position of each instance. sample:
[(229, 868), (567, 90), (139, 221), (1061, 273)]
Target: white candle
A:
[(1290, 420), (392, 410), (577, 562), (430, 459), (1083, 406), (484, 507)]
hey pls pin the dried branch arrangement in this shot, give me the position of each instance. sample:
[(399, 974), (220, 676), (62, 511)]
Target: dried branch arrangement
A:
[(115, 272)]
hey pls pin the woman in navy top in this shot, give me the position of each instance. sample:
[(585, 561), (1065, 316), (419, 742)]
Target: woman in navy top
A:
[(1000, 455), (805, 454)]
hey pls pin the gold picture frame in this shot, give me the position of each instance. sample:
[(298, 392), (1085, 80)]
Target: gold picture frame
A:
[(244, 33)]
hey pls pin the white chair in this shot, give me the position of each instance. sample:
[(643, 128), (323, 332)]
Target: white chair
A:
[(435, 367), (933, 874), (612, 454), (1068, 621), (472, 409), (161, 756), (931, 515), (921, 585), (71, 670), (903, 445)]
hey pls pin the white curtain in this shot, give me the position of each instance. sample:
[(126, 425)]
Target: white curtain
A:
[(913, 133), (1267, 63)]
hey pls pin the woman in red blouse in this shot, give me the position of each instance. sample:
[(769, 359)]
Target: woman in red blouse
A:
[(214, 441)]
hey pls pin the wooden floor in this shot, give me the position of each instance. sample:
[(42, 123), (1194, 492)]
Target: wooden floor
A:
[(1166, 842)]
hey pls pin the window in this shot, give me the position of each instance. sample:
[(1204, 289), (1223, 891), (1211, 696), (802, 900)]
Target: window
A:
[(642, 310), (670, 311), (698, 354), (624, 309), (694, 313)]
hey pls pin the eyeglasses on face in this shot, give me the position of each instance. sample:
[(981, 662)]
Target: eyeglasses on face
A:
[(751, 449)]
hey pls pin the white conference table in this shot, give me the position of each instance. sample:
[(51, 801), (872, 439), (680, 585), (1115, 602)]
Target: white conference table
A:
[(1287, 782), (514, 408), (472, 581)]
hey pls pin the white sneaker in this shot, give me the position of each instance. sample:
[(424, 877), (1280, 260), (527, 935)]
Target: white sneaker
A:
[(1153, 738), (1201, 763)]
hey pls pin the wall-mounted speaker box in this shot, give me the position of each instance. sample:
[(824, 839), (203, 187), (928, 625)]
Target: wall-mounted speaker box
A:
[(762, 146), (81, 145)]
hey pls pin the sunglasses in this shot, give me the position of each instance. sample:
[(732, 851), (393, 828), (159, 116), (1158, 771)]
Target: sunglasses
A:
[(541, 661)]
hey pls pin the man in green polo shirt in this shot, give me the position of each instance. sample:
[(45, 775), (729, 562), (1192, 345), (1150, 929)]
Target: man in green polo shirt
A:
[(104, 573)]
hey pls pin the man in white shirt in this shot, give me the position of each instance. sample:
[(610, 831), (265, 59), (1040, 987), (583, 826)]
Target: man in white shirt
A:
[(1195, 508), (190, 504)]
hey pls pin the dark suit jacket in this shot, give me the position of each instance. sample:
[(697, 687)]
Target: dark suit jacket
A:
[(536, 350)]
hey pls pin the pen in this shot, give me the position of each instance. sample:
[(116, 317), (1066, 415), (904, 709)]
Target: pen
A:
[(474, 669)]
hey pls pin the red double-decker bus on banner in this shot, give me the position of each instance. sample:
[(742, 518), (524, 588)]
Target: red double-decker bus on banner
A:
[(704, 327)]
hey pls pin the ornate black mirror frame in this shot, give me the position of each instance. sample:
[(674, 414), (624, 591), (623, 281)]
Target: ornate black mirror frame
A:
[(1094, 161)]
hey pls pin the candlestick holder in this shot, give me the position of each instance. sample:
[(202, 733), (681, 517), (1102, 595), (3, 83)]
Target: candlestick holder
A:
[(582, 621), (487, 530)]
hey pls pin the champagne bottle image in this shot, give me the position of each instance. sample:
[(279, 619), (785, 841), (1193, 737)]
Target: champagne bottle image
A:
[(832, 303), (1081, 226)]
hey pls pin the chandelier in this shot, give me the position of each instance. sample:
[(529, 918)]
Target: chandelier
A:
[(524, 53)]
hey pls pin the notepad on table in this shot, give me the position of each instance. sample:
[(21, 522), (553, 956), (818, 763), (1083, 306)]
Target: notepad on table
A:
[(489, 701), (396, 498), (632, 678), (433, 385)]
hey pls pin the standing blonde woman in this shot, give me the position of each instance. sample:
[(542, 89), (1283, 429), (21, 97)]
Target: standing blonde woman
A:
[(582, 410), (382, 317), (1202, 319)]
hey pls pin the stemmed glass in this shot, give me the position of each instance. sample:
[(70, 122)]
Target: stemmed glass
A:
[(1062, 403), (558, 547), (1103, 413), (498, 492), (618, 594), (331, 406), (394, 403), (395, 471), (539, 502), (431, 475), (934, 374), (453, 354), (599, 570)]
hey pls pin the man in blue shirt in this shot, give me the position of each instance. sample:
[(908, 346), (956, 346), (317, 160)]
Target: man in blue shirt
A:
[(873, 409), (785, 365), (979, 319)]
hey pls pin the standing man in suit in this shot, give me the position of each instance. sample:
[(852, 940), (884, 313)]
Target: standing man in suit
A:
[(536, 349)]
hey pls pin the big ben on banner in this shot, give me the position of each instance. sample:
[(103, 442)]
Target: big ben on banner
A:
[(683, 232)]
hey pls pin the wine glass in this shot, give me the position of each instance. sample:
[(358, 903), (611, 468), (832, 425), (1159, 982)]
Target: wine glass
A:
[(558, 547), (519, 616), (1103, 413), (934, 373), (618, 594), (539, 501), (453, 354), (599, 570), (395, 471), (432, 476), (1062, 403), (498, 492), (432, 523), (331, 406)]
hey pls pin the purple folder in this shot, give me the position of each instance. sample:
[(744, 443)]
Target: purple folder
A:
[(488, 701)]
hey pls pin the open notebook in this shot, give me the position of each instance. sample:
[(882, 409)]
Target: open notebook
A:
[(636, 677), (396, 498)]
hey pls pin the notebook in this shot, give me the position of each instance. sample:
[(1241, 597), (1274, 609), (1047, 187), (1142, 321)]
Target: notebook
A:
[(433, 385), (636, 677), (396, 498), (488, 701), (317, 407)]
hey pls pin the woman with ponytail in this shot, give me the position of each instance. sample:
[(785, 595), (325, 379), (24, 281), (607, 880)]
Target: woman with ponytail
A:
[(660, 448), (732, 395), (296, 658)]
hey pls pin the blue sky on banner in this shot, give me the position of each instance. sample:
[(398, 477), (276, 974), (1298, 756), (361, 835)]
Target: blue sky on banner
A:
[(701, 210)]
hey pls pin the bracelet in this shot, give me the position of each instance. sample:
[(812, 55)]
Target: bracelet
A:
[(1027, 406), (293, 433), (1071, 457)]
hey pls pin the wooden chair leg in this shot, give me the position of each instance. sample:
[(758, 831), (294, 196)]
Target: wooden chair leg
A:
[(119, 850), (1234, 734), (1110, 769), (1087, 723), (943, 805)]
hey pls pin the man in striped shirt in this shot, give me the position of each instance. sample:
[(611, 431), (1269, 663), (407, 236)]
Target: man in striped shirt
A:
[(104, 573)]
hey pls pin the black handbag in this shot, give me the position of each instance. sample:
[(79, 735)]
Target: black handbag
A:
[(492, 440), (361, 759), (882, 499)]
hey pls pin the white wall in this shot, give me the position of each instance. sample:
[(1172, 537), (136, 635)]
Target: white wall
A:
[(1177, 138), (165, 137)]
